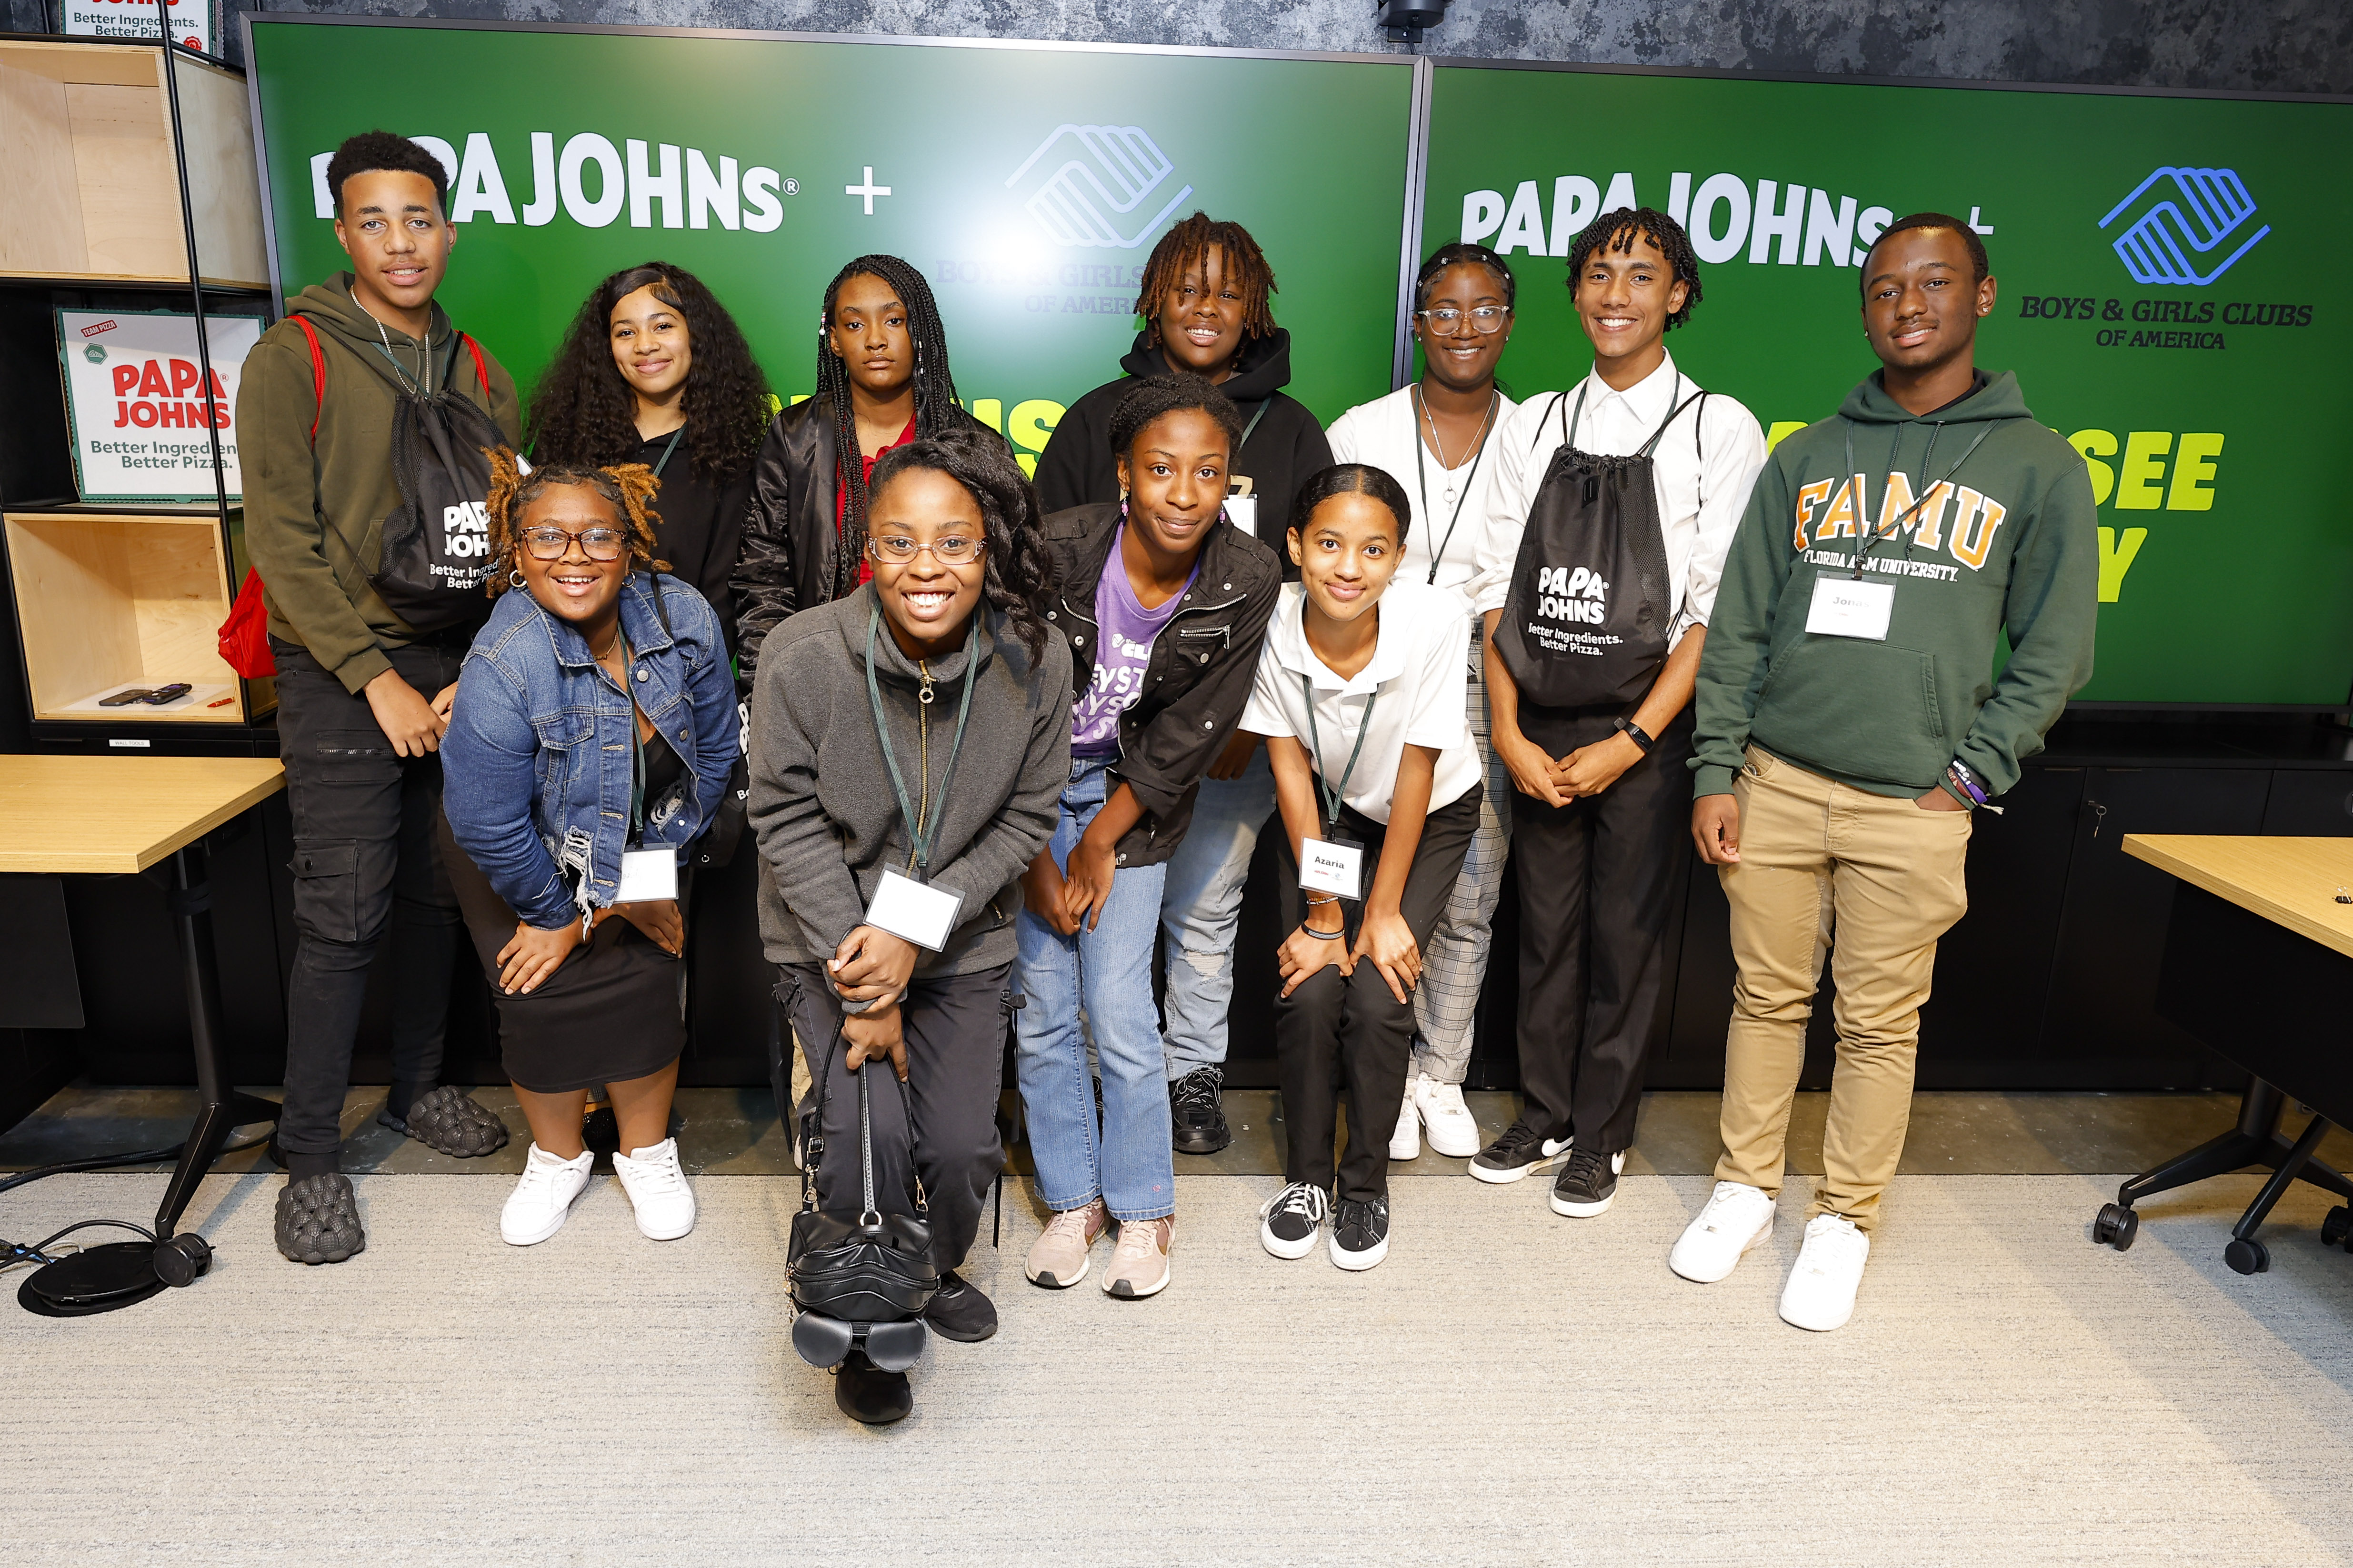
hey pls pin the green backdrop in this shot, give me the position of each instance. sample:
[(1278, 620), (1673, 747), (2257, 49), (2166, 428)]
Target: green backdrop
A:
[(2214, 413), (1026, 184)]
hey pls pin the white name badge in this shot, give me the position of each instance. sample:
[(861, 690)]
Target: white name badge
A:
[(1849, 607), (917, 911), (1332, 865), (1242, 513), (646, 875)]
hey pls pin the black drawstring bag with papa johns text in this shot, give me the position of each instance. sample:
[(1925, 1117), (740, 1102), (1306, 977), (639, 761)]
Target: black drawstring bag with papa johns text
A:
[(437, 546)]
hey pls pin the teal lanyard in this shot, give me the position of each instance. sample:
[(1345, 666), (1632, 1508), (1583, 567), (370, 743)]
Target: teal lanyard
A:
[(636, 751), (1332, 796), (664, 462), (923, 827)]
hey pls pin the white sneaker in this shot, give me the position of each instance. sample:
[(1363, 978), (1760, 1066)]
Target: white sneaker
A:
[(538, 1206), (1405, 1144), (1820, 1292), (1738, 1217), (658, 1191), (1453, 1132)]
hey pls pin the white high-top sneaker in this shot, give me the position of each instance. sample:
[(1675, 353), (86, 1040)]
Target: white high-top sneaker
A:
[(658, 1191), (542, 1201), (1451, 1129), (1405, 1144)]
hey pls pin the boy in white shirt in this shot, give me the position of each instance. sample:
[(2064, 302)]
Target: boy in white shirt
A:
[(1613, 506), (1435, 437)]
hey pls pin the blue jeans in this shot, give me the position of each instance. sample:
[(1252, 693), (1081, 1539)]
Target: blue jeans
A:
[(1202, 908), (1127, 1160)]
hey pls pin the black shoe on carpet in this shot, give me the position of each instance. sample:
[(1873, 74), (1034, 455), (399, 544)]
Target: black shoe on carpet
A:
[(600, 1132), (864, 1391), (1196, 1113), (319, 1220), (450, 1121), (1587, 1184), (960, 1311)]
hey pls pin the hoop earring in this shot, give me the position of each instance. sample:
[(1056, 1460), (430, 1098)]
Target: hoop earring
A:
[(515, 578)]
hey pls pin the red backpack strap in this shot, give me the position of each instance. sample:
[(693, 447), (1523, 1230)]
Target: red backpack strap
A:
[(318, 375), (480, 368)]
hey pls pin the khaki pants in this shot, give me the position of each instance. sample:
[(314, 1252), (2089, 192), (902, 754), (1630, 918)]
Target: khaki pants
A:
[(1874, 880)]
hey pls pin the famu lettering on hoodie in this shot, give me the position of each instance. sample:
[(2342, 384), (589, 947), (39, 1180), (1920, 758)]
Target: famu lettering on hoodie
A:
[(2007, 541)]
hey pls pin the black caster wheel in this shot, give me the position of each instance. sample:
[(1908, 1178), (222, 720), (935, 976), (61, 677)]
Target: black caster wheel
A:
[(2247, 1256), (2338, 1228), (2116, 1227)]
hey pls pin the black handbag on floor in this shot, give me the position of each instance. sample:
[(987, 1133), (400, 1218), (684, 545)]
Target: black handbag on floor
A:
[(859, 1281)]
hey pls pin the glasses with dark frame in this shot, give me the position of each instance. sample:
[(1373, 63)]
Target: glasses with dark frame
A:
[(596, 543)]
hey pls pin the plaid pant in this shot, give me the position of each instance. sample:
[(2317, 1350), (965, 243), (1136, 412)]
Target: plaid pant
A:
[(1454, 959)]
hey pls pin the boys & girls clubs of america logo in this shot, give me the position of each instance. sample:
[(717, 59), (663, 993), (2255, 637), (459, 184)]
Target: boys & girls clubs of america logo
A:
[(2188, 215)]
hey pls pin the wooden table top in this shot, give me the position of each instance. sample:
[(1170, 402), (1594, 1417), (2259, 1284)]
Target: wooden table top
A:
[(118, 814), (2292, 883)]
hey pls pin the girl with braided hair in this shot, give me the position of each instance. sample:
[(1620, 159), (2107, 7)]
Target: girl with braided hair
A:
[(587, 749), (882, 380)]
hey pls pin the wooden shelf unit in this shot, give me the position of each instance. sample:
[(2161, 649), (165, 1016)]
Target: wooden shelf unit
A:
[(89, 180), (108, 599)]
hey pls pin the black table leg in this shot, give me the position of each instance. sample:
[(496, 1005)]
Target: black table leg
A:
[(224, 1110)]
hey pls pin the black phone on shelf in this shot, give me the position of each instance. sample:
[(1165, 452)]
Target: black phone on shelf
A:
[(171, 693), (124, 699)]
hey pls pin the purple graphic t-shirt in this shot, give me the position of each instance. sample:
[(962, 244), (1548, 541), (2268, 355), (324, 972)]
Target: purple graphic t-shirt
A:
[(1125, 630)]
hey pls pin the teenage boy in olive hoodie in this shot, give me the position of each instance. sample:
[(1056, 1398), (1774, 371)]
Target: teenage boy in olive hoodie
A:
[(1849, 721), (362, 699)]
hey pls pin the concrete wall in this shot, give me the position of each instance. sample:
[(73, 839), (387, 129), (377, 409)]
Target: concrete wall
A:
[(2268, 45)]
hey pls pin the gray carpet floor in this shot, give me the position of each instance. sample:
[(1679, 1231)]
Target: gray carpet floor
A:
[(1508, 1387)]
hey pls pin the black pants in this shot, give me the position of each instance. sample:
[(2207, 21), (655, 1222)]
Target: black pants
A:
[(1356, 1022), (363, 860), (955, 1030), (1597, 882)]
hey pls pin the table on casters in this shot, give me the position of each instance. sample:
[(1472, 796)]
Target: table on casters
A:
[(2259, 966), (122, 815)]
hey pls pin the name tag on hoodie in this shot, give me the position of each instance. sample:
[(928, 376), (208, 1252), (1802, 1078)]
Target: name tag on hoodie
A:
[(1850, 607), (914, 910)]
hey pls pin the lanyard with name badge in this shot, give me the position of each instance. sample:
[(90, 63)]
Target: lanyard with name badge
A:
[(1847, 607), (1241, 510), (907, 905), (1332, 864), (646, 874)]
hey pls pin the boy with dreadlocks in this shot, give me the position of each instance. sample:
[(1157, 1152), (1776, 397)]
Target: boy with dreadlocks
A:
[(1613, 505), (883, 380), (589, 626), (1204, 304)]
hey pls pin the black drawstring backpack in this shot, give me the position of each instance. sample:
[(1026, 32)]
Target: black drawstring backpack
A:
[(859, 1281), (1585, 621), (437, 546)]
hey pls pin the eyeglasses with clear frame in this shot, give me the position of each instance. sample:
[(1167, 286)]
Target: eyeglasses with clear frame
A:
[(1484, 318), (596, 543), (897, 549)]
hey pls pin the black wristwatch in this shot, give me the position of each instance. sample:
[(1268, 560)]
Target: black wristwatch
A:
[(1636, 733)]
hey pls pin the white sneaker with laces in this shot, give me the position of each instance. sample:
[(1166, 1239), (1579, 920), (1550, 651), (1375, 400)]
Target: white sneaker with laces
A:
[(1820, 1294), (1405, 1144), (658, 1191), (542, 1201), (1738, 1217), (1452, 1131)]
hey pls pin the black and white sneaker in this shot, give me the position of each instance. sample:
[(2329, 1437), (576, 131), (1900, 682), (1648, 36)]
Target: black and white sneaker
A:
[(1196, 1113), (1515, 1153), (1586, 1184), (1289, 1221), (1360, 1234)]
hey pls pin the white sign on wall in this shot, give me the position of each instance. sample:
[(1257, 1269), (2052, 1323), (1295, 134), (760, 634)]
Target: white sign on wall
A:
[(142, 416), (191, 20)]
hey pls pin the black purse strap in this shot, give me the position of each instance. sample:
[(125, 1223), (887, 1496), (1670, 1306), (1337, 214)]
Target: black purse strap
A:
[(814, 1150)]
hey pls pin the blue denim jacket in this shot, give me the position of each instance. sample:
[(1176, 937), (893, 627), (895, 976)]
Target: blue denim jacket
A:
[(536, 764)]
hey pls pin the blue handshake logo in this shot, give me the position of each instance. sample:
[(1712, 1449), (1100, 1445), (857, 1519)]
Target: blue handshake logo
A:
[(2191, 213)]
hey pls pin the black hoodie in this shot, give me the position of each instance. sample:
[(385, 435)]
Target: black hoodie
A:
[(1277, 456)]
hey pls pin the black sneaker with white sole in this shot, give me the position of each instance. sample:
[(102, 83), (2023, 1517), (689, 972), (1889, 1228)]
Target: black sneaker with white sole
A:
[(1586, 1184), (1360, 1233), (1196, 1113), (1520, 1150), (1292, 1219)]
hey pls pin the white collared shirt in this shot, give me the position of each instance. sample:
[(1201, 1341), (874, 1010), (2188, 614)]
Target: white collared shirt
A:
[(1701, 491), (1417, 672), (1386, 433)]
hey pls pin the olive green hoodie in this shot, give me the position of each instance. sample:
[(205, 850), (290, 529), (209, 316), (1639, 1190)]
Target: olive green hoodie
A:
[(2008, 543), (314, 514)]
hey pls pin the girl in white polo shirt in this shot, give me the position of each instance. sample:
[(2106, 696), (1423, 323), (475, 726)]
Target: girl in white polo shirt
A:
[(1360, 696)]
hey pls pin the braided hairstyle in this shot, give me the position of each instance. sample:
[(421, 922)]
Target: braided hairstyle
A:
[(1154, 395), (1018, 569), (1186, 245), (584, 413), (1620, 229), (936, 409), (625, 487), (1464, 254)]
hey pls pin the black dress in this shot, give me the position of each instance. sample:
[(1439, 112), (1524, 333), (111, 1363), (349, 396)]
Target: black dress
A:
[(611, 1012), (701, 527)]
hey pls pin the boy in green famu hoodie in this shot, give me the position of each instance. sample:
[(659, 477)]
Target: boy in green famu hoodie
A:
[(1850, 720), (363, 699)]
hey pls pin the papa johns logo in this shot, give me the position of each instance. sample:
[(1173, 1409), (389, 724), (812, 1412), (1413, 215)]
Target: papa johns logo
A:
[(2202, 209), (1107, 173), (1566, 593)]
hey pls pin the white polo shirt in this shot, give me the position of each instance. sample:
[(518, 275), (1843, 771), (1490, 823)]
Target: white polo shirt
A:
[(1386, 433), (1417, 672), (1701, 491)]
